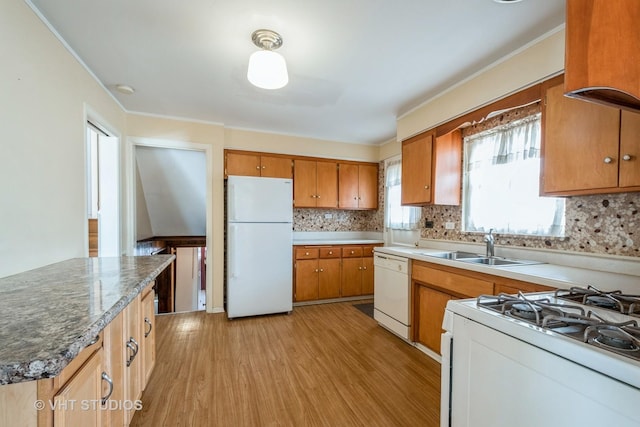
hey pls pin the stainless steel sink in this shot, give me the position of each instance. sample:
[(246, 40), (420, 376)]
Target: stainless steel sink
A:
[(504, 262), (472, 258), (457, 255)]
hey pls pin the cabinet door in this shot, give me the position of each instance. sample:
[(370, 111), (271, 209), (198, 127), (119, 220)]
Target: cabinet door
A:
[(578, 138), (351, 277), (78, 402), (242, 164), (348, 186), (115, 358), (367, 276), (275, 167), (133, 362), (367, 187), (447, 173), (148, 337), (306, 280), (304, 184), (329, 278), (416, 169), (629, 149), (429, 313), (327, 184)]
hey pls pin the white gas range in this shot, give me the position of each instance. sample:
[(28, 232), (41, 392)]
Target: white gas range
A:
[(565, 358)]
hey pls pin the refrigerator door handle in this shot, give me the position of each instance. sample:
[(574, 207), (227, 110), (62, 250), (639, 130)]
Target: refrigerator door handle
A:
[(232, 202), (233, 245)]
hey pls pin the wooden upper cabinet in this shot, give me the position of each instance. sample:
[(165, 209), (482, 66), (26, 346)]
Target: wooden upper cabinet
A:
[(357, 186), (447, 169), (584, 147), (315, 184), (416, 169), (242, 164), (629, 150), (432, 169), (256, 164), (601, 54), (276, 167)]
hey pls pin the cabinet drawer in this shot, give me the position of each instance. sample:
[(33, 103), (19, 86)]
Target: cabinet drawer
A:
[(306, 253), (368, 250), (352, 252), (456, 284), (329, 252)]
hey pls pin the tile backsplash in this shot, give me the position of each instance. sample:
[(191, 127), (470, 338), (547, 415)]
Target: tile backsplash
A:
[(600, 224)]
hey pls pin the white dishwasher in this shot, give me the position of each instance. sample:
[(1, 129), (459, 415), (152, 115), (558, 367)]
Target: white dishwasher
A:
[(391, 293)]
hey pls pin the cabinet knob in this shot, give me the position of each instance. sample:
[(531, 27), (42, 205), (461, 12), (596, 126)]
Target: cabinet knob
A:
[(355, 198), (264, 167), (312, 196), (321, 270), (316, 270), (306, 253), (608, 160), (364, 268), (258, 167), (626, 157), (317, 196), (330, 252), (426, 187), (359, 268), (353, 252)]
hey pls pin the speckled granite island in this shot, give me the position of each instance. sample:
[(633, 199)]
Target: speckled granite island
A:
[(48, 315)]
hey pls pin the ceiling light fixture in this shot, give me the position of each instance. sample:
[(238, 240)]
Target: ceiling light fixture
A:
[(507, 1), (267, 69), (125, 89)]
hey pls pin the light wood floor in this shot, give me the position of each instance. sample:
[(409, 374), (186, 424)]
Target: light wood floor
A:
[(323, 365)]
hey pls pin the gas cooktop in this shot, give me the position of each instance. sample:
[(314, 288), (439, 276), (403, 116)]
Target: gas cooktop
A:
[(608, 320)]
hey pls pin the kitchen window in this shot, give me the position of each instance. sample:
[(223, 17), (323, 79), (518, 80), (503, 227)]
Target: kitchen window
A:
[(398, 217), (502, 178)]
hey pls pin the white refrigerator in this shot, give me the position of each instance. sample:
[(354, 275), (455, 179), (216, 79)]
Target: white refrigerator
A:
[(259, 246)]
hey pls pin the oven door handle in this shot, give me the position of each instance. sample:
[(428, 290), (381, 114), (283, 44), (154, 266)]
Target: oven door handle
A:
[(446, 342)]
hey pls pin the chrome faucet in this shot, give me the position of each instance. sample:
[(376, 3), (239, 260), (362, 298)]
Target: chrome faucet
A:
[(489, 240)]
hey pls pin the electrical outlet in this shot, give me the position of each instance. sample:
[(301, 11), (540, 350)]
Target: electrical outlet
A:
[(328, 216), (449, 225), (428, 224)]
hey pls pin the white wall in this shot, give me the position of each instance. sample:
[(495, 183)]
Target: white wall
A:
[(45, 93)]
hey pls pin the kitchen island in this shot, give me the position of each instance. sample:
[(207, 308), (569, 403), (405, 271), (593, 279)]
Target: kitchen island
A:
[(48, 315)]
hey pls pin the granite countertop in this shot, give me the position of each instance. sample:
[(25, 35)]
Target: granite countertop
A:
[(48, 315), (548, 274)]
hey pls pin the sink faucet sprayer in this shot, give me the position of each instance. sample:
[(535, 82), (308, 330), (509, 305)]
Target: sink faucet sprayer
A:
[(488, 238)]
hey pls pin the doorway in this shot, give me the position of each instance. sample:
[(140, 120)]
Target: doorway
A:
[(170, 200), (103, 191)]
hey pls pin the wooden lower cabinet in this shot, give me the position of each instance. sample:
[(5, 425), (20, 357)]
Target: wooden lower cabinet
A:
[(133, 359), (434, 285), (148, 345), (114, 347), (429, 305), (78, 403), (327, 272)]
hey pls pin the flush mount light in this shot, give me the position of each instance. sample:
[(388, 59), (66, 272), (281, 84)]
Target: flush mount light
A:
[(267, 69), (125, 89), (507, 1)]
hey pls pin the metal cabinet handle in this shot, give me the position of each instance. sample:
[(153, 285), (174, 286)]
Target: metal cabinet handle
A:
[(626, 157), (608, 160), (109, 381), (94, 340), (148, 322), (134, 347)]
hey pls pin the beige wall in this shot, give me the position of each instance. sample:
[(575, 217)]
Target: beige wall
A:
[(286, 144), (534, 63), (45, 96)]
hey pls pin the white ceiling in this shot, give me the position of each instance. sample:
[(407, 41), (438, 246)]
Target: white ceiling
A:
[(354, 65)]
